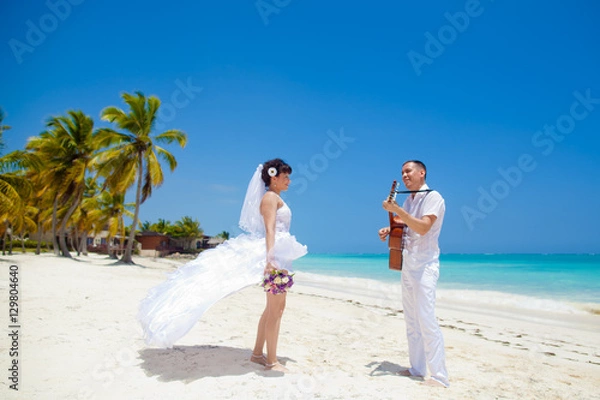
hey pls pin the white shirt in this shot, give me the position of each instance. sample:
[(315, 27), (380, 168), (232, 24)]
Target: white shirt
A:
[(424, 248)]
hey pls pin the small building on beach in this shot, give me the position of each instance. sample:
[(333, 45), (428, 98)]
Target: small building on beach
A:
[(154, 244)]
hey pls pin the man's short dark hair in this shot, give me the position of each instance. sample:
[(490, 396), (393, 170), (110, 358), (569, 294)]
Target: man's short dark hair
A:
[(420, 164)]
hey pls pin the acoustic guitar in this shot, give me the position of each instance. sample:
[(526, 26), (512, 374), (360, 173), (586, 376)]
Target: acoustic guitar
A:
[(396, 237)]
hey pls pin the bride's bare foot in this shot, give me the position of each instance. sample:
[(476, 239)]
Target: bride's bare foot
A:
[(258, 359), (276, 367), (404, 373)]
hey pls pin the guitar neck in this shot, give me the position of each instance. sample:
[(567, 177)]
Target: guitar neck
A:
[(392, 195), (391, 198)]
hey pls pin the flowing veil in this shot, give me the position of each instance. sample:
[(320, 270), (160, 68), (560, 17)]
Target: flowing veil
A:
[(250, 219)]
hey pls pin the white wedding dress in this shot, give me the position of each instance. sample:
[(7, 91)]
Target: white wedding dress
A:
[(173, 307)]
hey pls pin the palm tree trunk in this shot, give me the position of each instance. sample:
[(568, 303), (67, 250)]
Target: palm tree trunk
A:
[(38, 249), (63, 226), (122, 234), (75, 244), (23, 241), (62, 242), (54, 218), (111, 253), (127, 255), (83, 243), (11, 241), (4, 238)]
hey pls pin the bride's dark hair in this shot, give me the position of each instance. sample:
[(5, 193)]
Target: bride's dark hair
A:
[(279, 165)]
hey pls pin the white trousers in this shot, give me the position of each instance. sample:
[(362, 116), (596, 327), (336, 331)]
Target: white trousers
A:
[(425, 341)]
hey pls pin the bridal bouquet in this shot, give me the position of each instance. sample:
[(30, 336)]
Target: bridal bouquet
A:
[(277, 282)]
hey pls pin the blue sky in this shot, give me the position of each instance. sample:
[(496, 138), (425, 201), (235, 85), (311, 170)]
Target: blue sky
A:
[(500, 99)]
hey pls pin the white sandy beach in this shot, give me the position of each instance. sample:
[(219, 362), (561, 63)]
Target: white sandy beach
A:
[(78, 338)]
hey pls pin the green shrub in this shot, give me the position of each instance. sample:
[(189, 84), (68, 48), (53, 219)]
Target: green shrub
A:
[(29, 244)]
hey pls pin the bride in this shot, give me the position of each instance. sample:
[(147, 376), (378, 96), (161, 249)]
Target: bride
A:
[(263, 254)]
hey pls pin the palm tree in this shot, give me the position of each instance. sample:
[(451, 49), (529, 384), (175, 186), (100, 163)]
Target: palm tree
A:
[(135, 154), (223, 235), (2, 129), (10, 182), (23, 221), (188, 229), (21, 217), (85, 222), (26, 181), (109, 214), (145, 226), (67, 149), (15, 189), (44, 201), (163, 226)]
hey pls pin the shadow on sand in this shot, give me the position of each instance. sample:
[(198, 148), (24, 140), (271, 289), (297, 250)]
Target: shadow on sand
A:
[(190, 363), (381, 368)]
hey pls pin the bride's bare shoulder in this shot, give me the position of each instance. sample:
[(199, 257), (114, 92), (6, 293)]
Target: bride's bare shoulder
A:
[(272, 199)]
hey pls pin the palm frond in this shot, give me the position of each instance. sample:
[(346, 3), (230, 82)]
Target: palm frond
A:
[(107, 137), (154, 169), (146, 187), (172, 135), (167, 156), (16, 160), (112, 114)]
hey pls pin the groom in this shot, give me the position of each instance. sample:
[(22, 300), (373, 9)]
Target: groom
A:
[(423, 214)]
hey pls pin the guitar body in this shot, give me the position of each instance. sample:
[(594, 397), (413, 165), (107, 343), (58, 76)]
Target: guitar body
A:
[(395, 243), (396, 237)]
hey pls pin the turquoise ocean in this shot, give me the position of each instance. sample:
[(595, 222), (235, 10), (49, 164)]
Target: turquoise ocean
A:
[(563, 278)]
